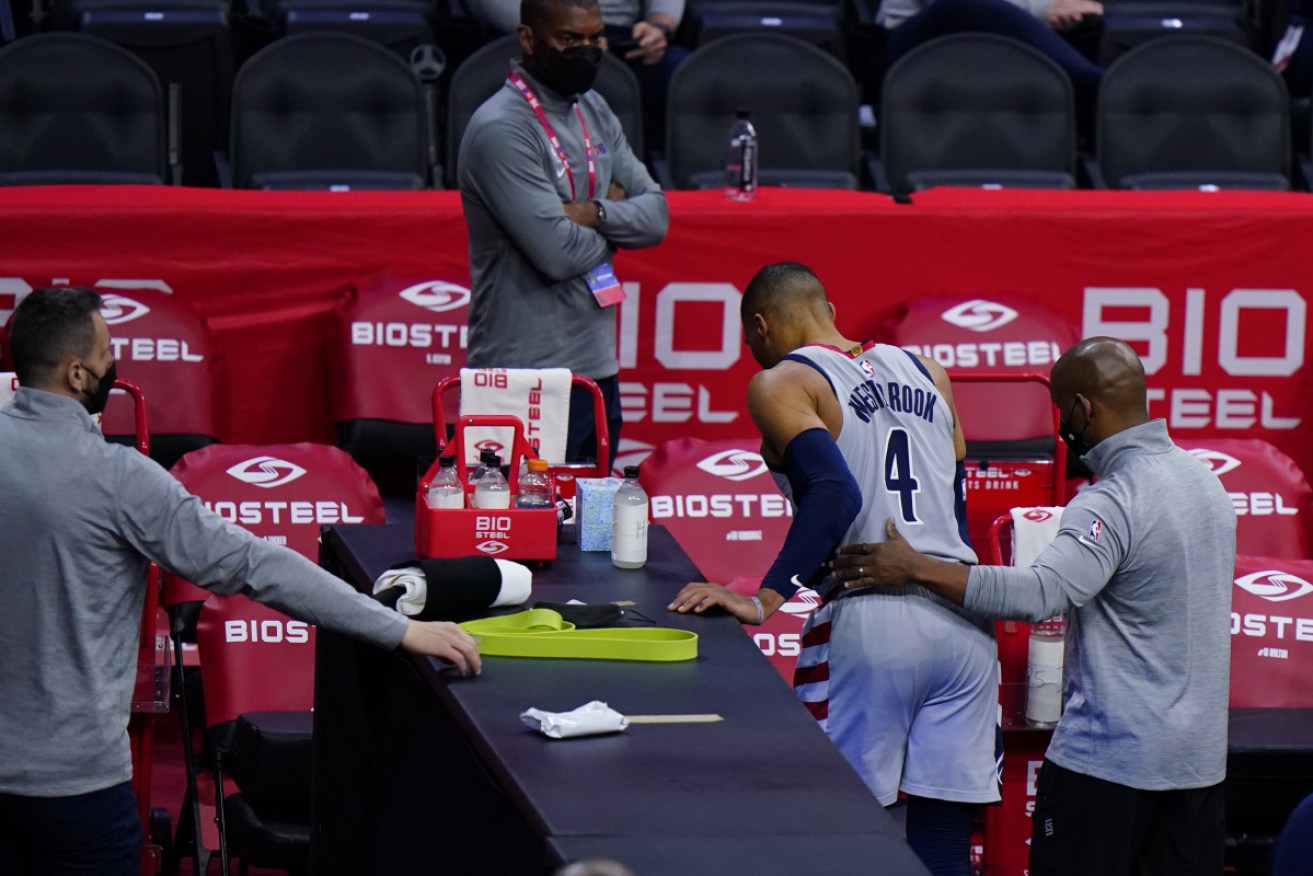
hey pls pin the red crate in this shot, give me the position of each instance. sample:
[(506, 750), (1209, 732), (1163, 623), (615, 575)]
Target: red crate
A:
[(509, 533)]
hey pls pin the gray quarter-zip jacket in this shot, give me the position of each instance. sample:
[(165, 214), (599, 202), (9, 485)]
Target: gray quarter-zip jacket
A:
[(79, 520), (1143, 564)]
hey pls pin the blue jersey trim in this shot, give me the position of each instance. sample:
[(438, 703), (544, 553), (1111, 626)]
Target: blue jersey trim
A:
[(794, 357)]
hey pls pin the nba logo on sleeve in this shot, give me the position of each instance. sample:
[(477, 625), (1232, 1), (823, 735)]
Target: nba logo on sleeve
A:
[(868, 368), (1096, 527)]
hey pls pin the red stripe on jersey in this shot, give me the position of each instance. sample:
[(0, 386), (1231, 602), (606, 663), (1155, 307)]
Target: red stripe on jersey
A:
[(811, 674)]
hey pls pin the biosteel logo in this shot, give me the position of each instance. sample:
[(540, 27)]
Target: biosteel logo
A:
[(979, 315), (734, 464), (1218, 463), (437, 295), (1274, 585), (116, 309), (489, 444), (266, 471), (1037, 515), (803, 603)]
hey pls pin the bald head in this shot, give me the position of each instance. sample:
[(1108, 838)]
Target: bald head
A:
[(783, 308), (782, 289), (1109, 376)]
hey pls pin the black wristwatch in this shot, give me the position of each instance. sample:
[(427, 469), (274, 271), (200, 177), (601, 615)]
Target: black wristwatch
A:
[(601, 214), (665, 29)]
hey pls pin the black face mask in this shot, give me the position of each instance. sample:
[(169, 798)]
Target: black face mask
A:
[(568, 71), (1075, 442), (96, 401)]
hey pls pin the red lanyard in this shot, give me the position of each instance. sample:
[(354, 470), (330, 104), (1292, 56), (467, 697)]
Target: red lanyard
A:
[(527, 93)]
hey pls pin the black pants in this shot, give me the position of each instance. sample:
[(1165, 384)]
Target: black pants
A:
[(581, 438), (1083, 825), (95, 834)]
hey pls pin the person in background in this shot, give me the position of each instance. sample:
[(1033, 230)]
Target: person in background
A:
[(550, 190), (1143, 565), (904, 682), (640, 31), (80, 519)]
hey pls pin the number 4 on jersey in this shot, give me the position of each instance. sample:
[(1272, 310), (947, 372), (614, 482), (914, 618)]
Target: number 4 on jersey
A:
[(898, 477)]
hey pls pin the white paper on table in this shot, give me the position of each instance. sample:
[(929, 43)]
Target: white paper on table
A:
[(587, 720)]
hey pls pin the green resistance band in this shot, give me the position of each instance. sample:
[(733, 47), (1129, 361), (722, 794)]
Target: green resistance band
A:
[(541, 632)]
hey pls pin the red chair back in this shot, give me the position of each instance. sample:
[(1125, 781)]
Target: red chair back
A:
[(280, 492), (1272, 498), (255, 659), (163, 346)]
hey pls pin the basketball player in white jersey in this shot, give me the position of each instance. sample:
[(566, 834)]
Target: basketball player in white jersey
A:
[(903, 682)]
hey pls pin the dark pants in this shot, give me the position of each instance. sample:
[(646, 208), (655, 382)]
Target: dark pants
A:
[(95, 834), (581, 438), (1083, 825), (653, 83)]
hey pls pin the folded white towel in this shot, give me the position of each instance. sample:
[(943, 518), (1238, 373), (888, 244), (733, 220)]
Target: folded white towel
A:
[(587, 720), (1032, 530), (516, 586), (540, 397)]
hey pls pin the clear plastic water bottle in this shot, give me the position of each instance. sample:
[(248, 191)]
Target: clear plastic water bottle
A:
[(629, 523), (491, 490), (535, 486), (741, 162), (446, 490), (487, 458), (1044, 672)]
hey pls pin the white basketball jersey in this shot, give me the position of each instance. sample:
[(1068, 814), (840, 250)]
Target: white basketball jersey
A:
[(897, 438)]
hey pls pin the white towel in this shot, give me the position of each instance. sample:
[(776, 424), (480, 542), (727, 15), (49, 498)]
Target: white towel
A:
[(516, 586), (540, 397), (1032, 530), (8, 387)]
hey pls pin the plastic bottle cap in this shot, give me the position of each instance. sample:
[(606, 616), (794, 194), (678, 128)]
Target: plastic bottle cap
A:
[(742, 114), (537, 465), (631, 471), (447, 460), (487, 456)]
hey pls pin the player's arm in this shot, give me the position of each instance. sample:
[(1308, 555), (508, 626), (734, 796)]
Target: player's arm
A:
[(784, 404), (945, 387)]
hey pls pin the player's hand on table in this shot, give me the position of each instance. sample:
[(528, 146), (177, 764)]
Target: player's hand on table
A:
[(698, 597)]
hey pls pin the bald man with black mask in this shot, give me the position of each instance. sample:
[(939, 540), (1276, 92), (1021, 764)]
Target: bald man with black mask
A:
[(1143, 566)]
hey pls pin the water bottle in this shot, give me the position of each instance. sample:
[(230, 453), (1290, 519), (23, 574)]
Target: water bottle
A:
[(1044, 673), (446, 490), (535, 486), (629, 523), (491, 492), (487, 458), (741, 163)]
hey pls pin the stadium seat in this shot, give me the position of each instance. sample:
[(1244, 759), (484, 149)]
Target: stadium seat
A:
[(1192, 112), (819, 23), (259, 692), (401, 25), (382, 383), (1293, 853), (482, 73), (80, 110), (977, 109), (189, 46), (1272, 497), (283, 493), (329, 111), (803, 104), (166, 349), (1131, 23)]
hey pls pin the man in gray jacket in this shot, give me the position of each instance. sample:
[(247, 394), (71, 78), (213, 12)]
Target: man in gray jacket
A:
[(1143, 565), (550, 189), (79, 521)]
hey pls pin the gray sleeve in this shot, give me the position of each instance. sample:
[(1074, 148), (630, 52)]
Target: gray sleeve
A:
[(173, 528), (501, 166), (643, 217), (1079, 562), (504, 15)]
